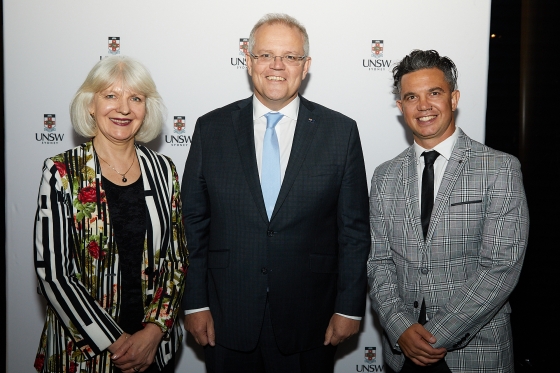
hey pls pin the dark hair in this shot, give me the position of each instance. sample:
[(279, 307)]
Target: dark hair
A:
[(418, 60)]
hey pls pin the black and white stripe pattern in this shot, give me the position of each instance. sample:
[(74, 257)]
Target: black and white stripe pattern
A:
[(82, 291)]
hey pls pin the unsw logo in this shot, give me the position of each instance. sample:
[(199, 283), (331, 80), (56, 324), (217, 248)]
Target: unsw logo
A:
[(114, 45), (49, 135), (376, 62), (370, 357), (178, 139), (370, 354), (240, 61)]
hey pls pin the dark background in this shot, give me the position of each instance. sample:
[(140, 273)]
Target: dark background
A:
[(519, 120)]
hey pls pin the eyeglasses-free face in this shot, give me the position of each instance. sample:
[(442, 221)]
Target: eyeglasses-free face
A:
[(427, 104)]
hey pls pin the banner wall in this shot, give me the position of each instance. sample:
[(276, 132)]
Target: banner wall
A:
[(193, 52)]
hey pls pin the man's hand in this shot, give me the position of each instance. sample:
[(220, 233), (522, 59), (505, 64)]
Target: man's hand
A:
[(416, 343), (340, 328), (201, 326)]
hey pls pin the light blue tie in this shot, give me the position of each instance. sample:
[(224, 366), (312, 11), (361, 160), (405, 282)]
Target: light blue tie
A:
[(270, 173)]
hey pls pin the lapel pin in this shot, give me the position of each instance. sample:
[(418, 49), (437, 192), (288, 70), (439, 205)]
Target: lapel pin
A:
[(311, 120)]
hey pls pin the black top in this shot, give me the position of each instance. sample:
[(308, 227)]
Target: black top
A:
[(128, 218)]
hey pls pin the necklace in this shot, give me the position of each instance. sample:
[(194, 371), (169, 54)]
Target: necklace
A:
[(124, 179)]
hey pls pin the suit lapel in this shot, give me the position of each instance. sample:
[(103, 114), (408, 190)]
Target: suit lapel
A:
[(410, 181), (155, 208), (454, 168), (306, 126), (245, 135)]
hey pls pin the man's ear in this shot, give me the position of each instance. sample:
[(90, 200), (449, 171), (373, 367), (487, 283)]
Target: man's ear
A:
[(455, 95), (249, 62)]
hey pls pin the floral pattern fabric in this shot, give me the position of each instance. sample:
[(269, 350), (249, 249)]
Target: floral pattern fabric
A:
[(77, 260)]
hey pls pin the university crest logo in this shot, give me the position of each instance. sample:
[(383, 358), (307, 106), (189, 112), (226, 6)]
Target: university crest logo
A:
[(377, 48), (114, 45), (370, 354), (243, 46), (49, 122), (179, 124)]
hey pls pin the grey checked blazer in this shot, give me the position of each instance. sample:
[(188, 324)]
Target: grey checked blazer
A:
[(468, 265)]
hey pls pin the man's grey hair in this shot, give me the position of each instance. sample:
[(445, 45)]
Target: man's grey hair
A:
[(283, 19), (419, 60)]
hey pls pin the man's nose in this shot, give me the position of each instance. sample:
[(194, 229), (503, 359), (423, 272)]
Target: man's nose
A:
[(278, 62), (423, 104)]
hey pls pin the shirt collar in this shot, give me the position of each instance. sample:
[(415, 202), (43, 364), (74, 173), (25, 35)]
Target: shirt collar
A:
[(444, 148), (291, 110)]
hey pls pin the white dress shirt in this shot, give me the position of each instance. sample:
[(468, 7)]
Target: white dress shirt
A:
[(444, 148), (285, 130)]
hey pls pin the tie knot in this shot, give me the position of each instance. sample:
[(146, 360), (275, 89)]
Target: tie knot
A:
[(272, 119), (430, 157)]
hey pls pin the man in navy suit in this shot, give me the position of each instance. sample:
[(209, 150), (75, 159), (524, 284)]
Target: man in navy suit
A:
[(278, 249)]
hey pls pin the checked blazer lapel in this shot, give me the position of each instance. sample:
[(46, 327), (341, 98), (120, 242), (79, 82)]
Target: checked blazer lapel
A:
[(245, 135), (306, 126), (410, 181), (454, 168)]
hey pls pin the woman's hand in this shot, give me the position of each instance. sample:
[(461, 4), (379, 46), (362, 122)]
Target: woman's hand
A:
[(137, 352), (118, 343)]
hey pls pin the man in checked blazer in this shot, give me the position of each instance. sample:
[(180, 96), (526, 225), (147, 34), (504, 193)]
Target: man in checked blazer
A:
[(442, 296), (273, 287)]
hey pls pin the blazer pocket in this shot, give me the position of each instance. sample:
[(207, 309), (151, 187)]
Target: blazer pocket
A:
[(320, 170), (323, 263), (218, 259), (466, 202)]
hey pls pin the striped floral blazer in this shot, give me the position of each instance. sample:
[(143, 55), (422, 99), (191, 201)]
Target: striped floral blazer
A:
[(77, 261)]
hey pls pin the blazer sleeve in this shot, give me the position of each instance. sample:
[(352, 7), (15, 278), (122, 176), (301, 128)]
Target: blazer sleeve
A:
[(196, 217), (166, 301), (502, 248), (353, 236), (92, 329), (382, 272)]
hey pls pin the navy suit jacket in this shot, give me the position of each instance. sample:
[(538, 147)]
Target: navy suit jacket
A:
[(309, 259)]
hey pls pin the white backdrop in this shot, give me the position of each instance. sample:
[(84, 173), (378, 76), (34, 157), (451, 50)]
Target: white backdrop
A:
[(192, 50)]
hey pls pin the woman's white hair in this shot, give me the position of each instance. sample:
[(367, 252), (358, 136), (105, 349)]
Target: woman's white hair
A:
[(135, 77)]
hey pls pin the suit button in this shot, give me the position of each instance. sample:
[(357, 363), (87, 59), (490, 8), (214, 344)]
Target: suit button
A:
[(148, 270), (264, 271), (424, 270), (415, 304), (270, 233)]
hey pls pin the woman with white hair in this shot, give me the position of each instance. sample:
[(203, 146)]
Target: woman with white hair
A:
[(110, 249)]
